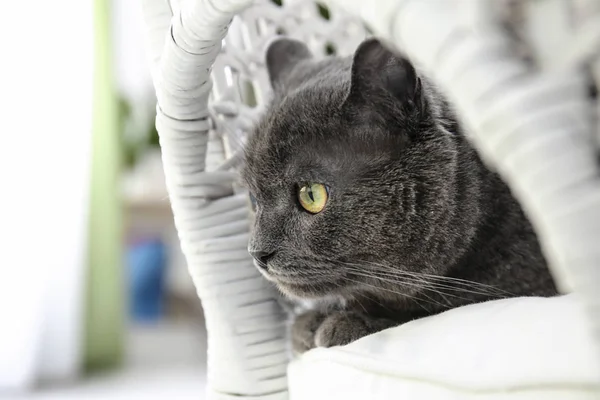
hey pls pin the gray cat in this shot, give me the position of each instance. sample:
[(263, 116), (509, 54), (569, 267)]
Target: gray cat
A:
[(370, 200)]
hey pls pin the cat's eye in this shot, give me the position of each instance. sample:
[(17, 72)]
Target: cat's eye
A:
[(313, 197)]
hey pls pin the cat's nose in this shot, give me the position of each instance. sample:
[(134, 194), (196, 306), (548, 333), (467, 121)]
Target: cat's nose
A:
[(261, 256)]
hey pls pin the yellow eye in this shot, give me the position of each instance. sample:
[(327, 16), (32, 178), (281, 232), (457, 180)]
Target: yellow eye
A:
[(313, 197)]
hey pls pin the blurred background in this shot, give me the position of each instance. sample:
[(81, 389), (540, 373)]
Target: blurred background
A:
[(95, 299)]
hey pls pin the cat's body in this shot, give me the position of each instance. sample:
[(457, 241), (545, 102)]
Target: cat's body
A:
[(414, 223)]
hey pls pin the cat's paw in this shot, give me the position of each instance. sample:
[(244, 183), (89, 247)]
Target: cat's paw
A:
[(316, 329), (342, 328), (303, 330)]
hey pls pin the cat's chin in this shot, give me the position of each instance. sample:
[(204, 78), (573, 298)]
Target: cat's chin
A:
[(298, 291), (308, 291)]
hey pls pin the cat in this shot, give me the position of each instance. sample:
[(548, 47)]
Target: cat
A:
[(371, 202)]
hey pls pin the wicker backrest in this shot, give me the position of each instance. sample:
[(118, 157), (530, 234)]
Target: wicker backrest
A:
[(528, 96)]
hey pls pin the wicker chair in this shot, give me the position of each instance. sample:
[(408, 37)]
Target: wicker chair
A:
[(523, 75)]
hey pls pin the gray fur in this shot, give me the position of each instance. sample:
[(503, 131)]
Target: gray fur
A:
[(415, 223)]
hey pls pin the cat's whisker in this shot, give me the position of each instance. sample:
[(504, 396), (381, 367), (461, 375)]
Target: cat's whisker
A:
[(430, 300), (449, 283), (441, 286), (387, 268), (361, 305), (421, 283), (378, 288), (443, 296), (458, 281), (422, 286), (432, 276), (369, 298)]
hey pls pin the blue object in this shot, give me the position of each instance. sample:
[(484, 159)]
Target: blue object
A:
[(146, 262)]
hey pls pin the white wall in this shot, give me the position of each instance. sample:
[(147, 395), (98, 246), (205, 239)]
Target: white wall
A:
[(46, 69)]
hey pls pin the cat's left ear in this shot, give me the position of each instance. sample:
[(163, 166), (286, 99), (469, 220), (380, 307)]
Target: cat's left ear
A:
[(376, 70), (283, 54)]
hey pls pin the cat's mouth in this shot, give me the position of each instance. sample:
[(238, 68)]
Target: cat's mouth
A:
[(301, 285)]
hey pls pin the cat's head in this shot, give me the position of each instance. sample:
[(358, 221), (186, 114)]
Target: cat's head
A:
[(351, 170)]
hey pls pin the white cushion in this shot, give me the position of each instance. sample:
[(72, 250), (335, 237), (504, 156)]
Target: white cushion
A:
[(521, 348)]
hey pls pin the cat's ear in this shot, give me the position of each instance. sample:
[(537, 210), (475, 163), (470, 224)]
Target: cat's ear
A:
[(377, 70), (282, 55)]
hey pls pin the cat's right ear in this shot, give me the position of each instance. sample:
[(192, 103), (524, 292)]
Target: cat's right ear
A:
[(283, 54), (377, 70)]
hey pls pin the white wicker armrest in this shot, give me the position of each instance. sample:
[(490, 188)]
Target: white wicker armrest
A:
[(247, 354)]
